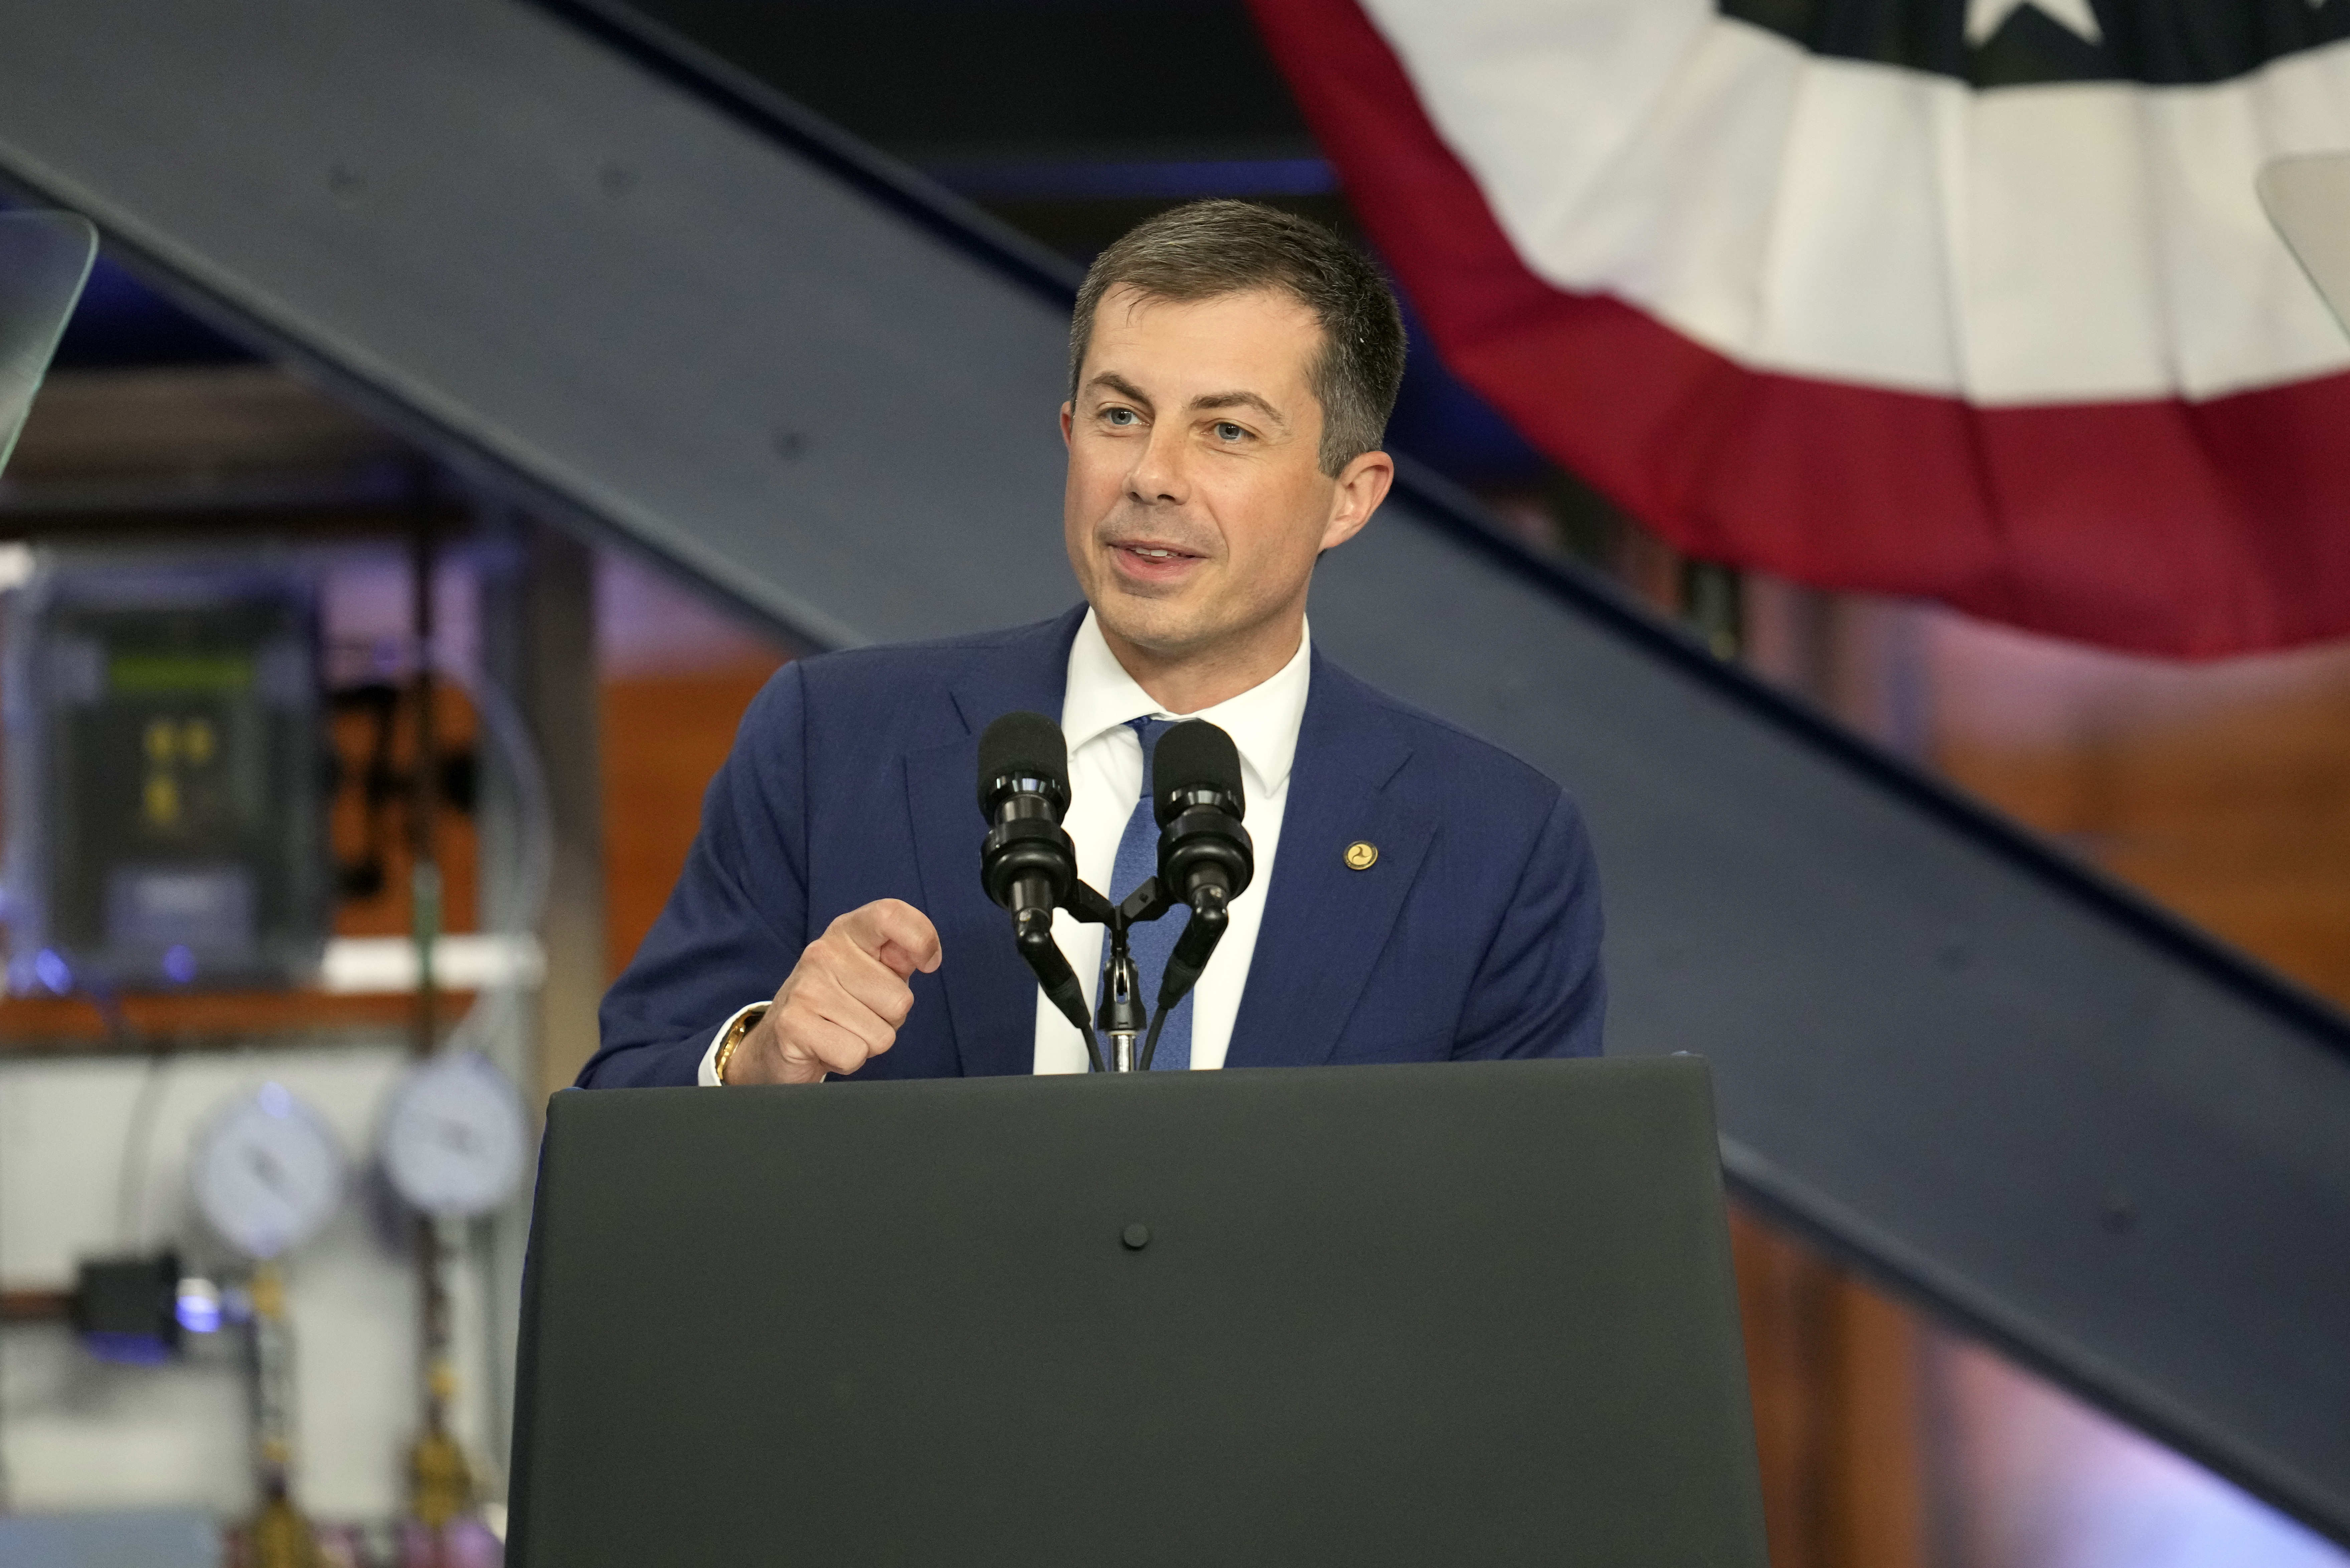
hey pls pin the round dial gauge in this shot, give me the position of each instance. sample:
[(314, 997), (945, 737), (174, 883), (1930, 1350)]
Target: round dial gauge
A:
[(267, 1172), (454, 1140)]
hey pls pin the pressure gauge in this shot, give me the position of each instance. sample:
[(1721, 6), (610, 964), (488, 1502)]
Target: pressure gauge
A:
[(267, 1172), (454, 1140)]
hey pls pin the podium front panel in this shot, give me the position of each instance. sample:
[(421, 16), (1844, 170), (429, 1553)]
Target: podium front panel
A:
[(1466, 1314)]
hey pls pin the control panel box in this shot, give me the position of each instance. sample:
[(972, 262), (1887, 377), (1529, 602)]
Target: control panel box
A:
[(166, 771)]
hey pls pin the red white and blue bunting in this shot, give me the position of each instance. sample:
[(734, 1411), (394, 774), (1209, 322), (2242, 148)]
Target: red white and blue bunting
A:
[(1971, 301)]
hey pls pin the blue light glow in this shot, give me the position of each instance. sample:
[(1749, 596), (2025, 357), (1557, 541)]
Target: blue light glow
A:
[(199, 1306), (276, 1101), (178, 965), (129, 1349), (53, 972)]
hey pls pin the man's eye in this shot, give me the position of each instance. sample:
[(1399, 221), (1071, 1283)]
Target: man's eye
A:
[(1119, 416), (1227, 431)]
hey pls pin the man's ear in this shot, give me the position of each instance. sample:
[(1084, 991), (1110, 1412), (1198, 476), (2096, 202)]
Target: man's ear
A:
[(1069, 416), (1361, 485)]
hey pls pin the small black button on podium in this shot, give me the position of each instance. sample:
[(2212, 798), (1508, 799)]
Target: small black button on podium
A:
[(1459, 1314)]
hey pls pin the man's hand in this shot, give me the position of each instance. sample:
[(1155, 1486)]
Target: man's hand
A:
[(843, 1001)]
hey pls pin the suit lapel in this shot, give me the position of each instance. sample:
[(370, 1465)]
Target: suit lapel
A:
[(1325, 924), (991, 996)]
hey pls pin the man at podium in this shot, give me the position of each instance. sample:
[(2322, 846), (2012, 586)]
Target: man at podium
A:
[(1419, 895)]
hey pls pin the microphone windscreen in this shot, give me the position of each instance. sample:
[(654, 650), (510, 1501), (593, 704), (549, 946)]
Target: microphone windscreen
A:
[(1194, 756), (1027, 743)]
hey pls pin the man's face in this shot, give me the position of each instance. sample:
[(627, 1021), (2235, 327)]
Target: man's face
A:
[(1196, 502)]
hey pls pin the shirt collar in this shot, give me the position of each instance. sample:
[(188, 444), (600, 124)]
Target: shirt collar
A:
[(1262, 721)]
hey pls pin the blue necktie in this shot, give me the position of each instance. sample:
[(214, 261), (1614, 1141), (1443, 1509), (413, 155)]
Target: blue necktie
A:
[(1153, 940)]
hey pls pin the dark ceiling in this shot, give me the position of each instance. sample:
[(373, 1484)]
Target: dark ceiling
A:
[(1074, 78)]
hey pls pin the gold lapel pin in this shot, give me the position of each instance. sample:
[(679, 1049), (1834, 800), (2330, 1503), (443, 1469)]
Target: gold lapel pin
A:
[(1362, 854)]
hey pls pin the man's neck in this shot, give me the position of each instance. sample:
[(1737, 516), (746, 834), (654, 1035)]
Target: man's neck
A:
[(1193, 682)]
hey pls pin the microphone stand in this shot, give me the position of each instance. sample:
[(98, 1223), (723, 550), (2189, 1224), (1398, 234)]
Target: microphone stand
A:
[(1121, 1016), (1121, 1012)]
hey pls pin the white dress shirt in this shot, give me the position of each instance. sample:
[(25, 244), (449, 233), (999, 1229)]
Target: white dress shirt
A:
[(1105, 782), (1097, 701)]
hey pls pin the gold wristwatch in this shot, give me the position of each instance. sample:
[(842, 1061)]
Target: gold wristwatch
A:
[(744, 1021)]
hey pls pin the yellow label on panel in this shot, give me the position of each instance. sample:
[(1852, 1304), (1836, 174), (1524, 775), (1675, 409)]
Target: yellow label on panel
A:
[(162, 801)]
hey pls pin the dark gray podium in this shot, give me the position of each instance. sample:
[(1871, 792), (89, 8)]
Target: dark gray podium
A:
[(1462, 1315)]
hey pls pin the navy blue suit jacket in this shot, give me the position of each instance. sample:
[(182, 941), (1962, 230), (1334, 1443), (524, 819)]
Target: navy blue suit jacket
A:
[(1476, 934)]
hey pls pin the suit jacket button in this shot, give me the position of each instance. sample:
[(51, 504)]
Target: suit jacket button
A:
[(1362, 854)]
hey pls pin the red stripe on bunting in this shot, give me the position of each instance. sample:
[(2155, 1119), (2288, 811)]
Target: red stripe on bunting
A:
[(2168, 527)]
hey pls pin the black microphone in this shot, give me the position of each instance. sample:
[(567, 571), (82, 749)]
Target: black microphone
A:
[(1206, 858), (1027, 863)]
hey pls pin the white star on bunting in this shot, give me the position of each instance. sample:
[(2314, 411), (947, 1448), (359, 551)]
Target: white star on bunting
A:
[(1985, 17)]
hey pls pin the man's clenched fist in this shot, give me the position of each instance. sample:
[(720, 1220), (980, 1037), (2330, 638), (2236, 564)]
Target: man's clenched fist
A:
[(843, 1001)]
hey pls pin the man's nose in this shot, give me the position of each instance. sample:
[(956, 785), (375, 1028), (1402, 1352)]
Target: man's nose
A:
[(1158, 474)]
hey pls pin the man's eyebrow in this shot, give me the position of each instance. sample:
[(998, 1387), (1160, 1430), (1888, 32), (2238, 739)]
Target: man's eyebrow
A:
[(1111, 380), (1239, 401)]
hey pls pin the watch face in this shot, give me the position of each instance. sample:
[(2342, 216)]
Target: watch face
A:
[(267, 1172), (455, 1141)]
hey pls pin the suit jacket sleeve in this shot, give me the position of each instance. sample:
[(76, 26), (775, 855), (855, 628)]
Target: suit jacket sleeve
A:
[(1539, 990), (737, 920)]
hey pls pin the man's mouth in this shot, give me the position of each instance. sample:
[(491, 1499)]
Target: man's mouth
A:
[(1152, 561)]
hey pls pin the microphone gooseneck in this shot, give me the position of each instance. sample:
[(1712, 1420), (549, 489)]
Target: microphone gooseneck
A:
[(1026, 862)]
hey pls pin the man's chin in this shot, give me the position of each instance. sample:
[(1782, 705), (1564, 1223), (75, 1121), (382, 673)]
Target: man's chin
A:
[(1158, 626)]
